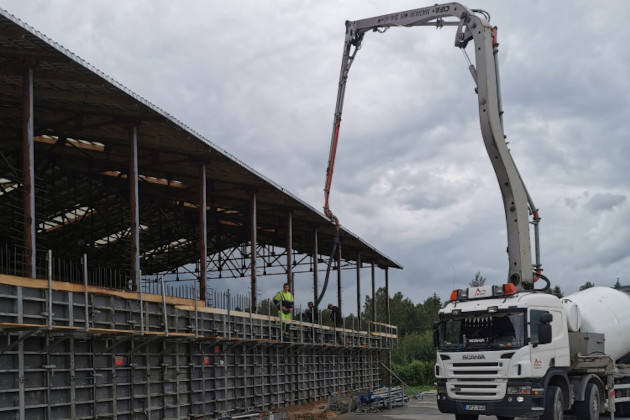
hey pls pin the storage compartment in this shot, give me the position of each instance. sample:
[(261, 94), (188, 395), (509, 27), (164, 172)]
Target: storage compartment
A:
[(586, 343)]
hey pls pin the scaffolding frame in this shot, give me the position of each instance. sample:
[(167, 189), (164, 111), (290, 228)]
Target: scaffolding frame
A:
[(120, 354)]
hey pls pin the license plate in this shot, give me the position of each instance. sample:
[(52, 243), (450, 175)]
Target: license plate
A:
[(473, 407)]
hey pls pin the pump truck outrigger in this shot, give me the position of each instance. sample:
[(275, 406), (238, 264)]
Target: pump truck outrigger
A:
[(511, 350)]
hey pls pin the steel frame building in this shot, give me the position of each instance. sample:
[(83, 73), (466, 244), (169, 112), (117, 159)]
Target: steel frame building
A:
[(105, 198)]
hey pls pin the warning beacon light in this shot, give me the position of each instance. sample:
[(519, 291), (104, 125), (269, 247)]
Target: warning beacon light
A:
[(483, 292)]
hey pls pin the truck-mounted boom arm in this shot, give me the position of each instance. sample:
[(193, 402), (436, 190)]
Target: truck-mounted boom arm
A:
[(471, 25)]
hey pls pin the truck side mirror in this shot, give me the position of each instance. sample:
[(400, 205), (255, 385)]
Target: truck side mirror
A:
[(546, 318), (544, 334), (544, 329)]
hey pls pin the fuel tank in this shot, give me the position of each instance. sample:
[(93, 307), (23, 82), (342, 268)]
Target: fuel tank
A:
[(601, 310)]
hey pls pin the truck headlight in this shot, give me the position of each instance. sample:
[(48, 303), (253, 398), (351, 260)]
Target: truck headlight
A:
[(519, 390), (441, 389)]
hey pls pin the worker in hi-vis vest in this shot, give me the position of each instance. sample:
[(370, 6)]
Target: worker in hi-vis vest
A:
[(284, 301)]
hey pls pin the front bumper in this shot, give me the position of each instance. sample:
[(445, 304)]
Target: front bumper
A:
[(512, 405)]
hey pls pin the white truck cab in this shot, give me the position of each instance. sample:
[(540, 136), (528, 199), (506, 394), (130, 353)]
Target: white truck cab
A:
[(492, 358), (511, 353)]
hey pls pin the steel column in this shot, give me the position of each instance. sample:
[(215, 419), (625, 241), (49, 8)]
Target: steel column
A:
[(373, 296), (359, 288), (387, 321), (164, 313), (290, 251), (315, 266), (203, 233), (135, 213), (253, 222), (339, 277), (85, 294), (387, 314), (28, 168)]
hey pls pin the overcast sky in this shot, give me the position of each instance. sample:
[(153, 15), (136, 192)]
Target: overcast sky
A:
[(259, 79)]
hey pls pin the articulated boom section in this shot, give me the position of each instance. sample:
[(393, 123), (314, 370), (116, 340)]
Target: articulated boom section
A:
[(470, 26)]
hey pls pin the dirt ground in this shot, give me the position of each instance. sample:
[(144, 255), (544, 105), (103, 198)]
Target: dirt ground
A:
[(311, 411)]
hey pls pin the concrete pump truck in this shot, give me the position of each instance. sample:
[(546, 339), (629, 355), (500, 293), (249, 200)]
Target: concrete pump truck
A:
[(511, 350)]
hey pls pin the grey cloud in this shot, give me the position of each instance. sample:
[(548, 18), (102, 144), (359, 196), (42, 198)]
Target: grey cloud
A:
[(604, 201), (571, 202), (259, 79)]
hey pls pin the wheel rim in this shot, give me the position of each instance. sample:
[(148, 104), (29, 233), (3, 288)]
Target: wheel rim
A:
[(559, 406), (594, 405)]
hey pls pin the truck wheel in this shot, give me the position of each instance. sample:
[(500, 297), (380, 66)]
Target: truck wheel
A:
[(554, 404), (589, 408), (504, 418), (466, 416)]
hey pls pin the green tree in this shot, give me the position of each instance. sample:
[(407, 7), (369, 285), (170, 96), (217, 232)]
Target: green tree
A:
[(414, 346), (266, 307), (380, 307), (402, 313), (587, 285), (428, 312), (351, 322), (478, 281), (555, 291), (407, 316), (416, 373), (397, 304)]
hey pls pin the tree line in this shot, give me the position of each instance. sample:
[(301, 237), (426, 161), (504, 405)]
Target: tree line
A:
[(414, 357)]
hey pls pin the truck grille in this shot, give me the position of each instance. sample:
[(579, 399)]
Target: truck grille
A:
[(476, 369), (476, 381)]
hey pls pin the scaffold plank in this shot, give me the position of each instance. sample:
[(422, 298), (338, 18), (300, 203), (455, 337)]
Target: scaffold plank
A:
[(18, 326)]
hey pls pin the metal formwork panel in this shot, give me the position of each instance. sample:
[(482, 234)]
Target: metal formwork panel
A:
[(178, 363)]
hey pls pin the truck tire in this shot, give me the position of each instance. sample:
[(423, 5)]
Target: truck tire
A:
[(466, 416), (504, 418), (589, 408), (554, 404)]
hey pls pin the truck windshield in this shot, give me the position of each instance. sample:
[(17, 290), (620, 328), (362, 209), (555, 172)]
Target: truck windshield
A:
[(498, 330)]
